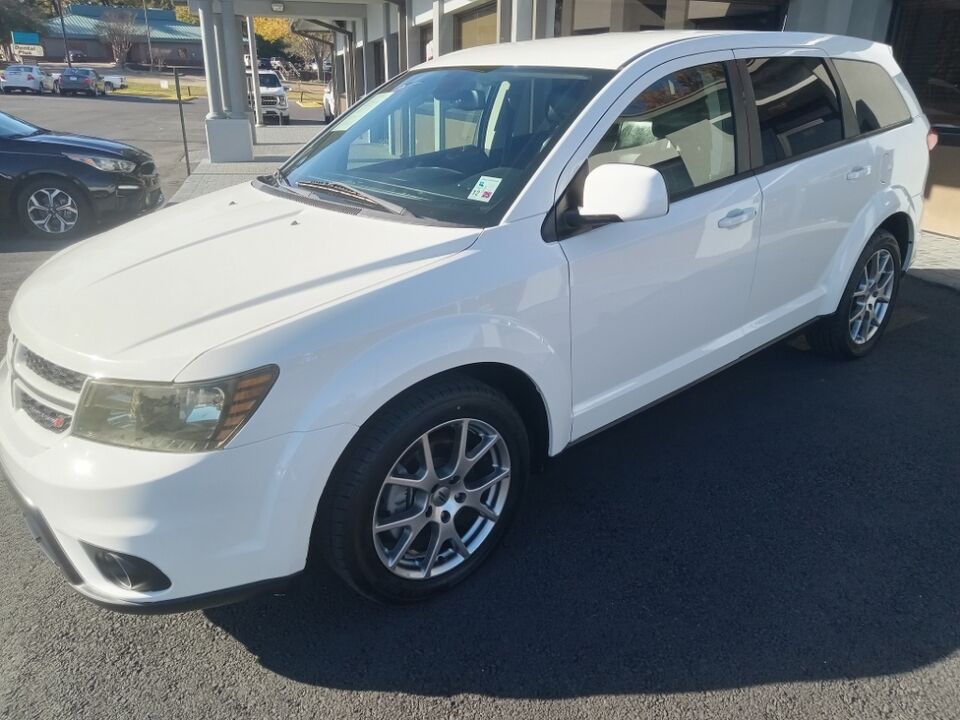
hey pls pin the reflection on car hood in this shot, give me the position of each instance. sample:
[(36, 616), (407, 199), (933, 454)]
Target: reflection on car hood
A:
[(146, 298), (59, 142)]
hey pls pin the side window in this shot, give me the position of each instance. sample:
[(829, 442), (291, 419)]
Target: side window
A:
[(798, 106), (875, 98), (682, 126)]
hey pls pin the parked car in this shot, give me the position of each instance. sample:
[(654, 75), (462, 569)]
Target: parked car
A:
[(59, 186), (82, 80), (489, 259), (273, 96), (27, 78)]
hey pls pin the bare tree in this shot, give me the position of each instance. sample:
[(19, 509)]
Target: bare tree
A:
[(119, 29), (307, 47)]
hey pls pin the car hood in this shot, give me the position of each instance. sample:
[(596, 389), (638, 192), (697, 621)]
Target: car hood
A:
[(143, 300), (272, 91), (57, 141)]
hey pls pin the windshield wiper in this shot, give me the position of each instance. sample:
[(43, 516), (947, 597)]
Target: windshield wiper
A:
[(347, 191)]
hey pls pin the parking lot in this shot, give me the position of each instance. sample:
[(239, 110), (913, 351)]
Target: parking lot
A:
[(778, 542), (150, 124)]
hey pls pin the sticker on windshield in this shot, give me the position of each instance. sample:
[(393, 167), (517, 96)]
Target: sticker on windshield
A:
[(485, 188)]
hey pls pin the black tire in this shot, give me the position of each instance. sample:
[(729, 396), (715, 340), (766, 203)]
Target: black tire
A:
[(84, 211), (831, 335), (284, 119), (343, 530), (92, 93)]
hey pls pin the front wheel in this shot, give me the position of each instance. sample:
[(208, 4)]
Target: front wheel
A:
[(53, 209), (425, 490), (867, 303)]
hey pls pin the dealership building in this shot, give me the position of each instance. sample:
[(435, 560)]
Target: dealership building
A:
[(375, 40)]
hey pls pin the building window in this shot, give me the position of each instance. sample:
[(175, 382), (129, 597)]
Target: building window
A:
[(593, 16), (476, 27)]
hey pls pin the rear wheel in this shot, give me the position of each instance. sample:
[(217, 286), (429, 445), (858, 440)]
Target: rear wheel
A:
[(53, 209), (867, 303), (425, 491)]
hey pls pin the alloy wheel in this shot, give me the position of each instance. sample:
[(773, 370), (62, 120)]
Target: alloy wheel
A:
[(52, 210), (441, 499), (871, 300)]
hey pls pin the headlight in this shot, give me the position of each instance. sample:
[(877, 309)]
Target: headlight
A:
[(176, 417), (283, 101), (103, 163)]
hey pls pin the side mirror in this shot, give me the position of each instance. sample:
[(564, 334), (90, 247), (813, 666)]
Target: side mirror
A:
[(286, 88), (623, 192)]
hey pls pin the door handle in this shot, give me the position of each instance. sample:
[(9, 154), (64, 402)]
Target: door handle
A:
[(737, 217), (858, 172)]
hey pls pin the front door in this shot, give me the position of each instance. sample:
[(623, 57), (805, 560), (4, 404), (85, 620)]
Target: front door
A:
[(658, 303)]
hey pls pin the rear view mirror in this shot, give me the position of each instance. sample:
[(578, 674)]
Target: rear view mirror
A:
[(623, 192)]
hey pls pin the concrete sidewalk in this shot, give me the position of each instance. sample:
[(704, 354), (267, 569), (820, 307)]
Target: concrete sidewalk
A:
[(274, 145)]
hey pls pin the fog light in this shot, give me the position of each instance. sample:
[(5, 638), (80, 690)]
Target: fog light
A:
[(127, 571)]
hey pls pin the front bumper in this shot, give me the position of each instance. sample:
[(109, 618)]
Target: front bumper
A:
[(220, 525)]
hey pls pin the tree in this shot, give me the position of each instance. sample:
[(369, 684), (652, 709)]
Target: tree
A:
[(17, 15), (119, 29), (272, 29), (309, 48), (184, 15)]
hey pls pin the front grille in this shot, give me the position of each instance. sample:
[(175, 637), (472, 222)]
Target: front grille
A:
[(46, 392), (44, 415), (51, 372), (269, 100)]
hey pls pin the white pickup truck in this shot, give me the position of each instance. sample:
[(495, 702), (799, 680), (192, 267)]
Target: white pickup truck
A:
[(273, 96)]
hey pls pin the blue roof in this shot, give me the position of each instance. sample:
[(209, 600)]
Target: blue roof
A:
[(81, 22)]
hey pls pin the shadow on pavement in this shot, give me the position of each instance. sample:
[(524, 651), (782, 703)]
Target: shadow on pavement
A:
[(792, 519)]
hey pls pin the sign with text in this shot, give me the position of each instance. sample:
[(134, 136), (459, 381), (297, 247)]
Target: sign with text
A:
[(27, 50)]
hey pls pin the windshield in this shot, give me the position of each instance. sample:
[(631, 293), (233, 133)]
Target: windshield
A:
[(14, 127), (452, 144), (269, 80)]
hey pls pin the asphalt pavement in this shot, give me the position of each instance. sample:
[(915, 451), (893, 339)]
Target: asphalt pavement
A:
[(780, 541)]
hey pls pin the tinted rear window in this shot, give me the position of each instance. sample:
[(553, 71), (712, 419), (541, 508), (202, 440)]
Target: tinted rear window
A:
[(798, 106), (875, 98)]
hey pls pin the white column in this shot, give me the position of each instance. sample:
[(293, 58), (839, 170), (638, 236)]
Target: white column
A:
[(255, 71), (442, 30), (368, 76), (521, 21), (222, 80), (210, 65), (233, 50)]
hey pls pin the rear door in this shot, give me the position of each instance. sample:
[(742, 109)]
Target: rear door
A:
[(814, 183)]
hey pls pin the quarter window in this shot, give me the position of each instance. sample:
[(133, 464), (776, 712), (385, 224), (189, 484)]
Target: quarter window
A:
[(797, 104), (876, 100), (682, 126)]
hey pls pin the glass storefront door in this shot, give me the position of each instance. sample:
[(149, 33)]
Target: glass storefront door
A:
[(925, 35)]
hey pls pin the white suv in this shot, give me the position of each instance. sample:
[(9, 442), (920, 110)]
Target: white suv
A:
[(490, 258)]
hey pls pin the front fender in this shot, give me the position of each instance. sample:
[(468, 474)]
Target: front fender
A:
[(384, 370)]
